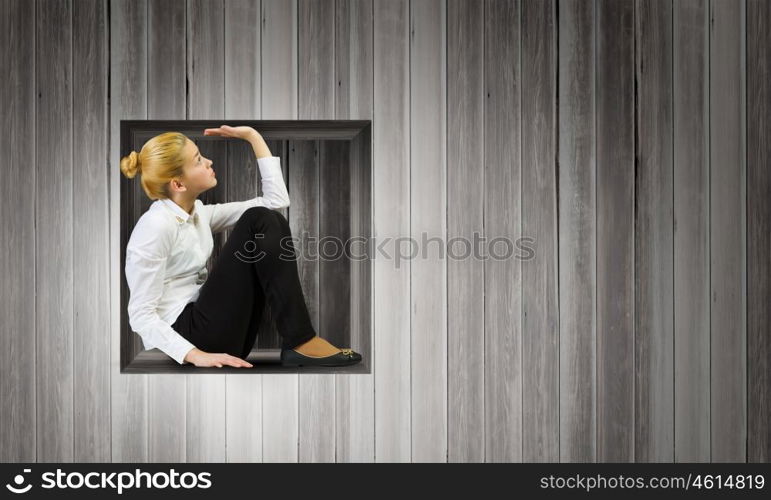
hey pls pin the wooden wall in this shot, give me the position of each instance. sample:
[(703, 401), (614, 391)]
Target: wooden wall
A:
[(627, 139)]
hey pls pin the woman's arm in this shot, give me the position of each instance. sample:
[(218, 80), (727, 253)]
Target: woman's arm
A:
[(224, 216), (146, 254)]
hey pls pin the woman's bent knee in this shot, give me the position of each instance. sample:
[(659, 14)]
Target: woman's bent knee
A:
[(259, 213)]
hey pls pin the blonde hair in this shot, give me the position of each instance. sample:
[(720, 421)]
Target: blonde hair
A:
[(160, 160)]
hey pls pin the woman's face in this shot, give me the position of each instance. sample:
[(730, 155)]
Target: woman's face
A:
[(199, 176)]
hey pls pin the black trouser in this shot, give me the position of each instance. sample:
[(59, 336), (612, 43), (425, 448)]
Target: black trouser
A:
[(251, 266)]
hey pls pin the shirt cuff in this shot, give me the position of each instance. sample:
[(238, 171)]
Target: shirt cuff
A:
[(180, 350)]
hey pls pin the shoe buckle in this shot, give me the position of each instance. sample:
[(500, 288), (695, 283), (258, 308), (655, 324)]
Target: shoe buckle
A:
[(347, 352)]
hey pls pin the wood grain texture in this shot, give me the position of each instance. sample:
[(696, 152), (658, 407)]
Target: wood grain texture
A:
[(428, 221), (629, 137), (615, 107), (653, 253), (334, 244), (355, 396), (758, 109), (690, 94), (128, 91), (91, 244), (540, 313), (18, 238), (465, 217), (316, 91), (577, 185), (391, 183), (727, 163), (54, 322)]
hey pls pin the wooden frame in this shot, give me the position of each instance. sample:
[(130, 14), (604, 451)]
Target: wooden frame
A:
[(353, 146)]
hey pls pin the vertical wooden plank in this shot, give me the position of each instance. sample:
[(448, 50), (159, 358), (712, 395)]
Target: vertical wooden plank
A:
[(691, 230), (335, 233), (166, 99), (540, 314), (577, 231), (205, 421), (18, 370), (279, 67), (428, 216), (727, 234), (356, 394), (758, 108), (465, 216), (615, 230), (355, 405), (654, 314), (391, 211), (316, 90), (54, 244), (128, 99), (242, 101), (91, 244)]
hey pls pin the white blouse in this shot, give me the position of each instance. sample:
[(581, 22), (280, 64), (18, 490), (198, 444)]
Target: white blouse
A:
[(166, 258)]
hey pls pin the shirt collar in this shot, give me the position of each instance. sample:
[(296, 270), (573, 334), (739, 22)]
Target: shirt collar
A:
[(180, 214)]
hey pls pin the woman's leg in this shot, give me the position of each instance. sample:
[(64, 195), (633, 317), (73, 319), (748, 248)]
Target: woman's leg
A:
[(252, 267)]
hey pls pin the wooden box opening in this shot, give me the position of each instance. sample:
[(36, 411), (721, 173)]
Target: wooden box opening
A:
[(328, 172)]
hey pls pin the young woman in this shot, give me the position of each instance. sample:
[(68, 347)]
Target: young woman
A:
[(212, 319)]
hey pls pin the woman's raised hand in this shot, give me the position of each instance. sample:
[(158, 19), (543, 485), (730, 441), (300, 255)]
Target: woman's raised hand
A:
[(242, 132), (219, 359)]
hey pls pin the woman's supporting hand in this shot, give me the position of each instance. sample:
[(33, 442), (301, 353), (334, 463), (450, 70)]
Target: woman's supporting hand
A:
[(219, 359), (246, 133), (242, 132)]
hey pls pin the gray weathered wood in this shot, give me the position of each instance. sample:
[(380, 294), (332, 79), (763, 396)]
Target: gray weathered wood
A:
[(465, 216), (653, 253), (577, 163), (91, 244), (690, 94), (316, 91), (428, 216), (727, 233), (639, 331), (758, 109), (615, 230), (335, 233), (355, 397), (540, 313), (54, 378), (18, 237), (128, 91)]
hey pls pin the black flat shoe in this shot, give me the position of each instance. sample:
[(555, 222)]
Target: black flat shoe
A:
[(290, 357)]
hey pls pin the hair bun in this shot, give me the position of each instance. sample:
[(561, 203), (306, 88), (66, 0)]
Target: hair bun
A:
[(135, 161), (130, 165)]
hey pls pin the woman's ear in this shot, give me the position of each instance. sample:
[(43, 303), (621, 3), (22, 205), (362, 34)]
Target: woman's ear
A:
[(176, 185)]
